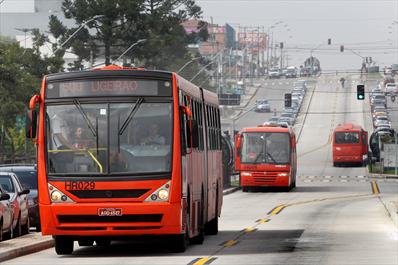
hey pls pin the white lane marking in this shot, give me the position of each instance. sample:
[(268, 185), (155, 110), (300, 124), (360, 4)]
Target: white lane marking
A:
[(343, 180)]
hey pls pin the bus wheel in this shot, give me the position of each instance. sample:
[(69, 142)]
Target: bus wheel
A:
[(180, 243), (63, 245), (86, 242), (245, 189), (103, 242), (335, 164), (211, 228)]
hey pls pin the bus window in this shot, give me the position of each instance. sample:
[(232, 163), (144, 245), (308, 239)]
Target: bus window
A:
[(346, 137)]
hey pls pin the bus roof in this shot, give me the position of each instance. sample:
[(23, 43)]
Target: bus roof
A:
[(348, 127), (265, 128), (110, 71)]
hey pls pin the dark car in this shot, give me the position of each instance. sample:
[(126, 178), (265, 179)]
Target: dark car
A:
[(19, 202), (27, 175), (5, 215)]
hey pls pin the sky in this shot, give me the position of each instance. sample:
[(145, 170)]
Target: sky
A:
[(365, 27)]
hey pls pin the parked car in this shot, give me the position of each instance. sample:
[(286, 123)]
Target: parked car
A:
[(379, 99), (262, 105), (390, 88), (19, 200), (301, 83), (273, 119), (274, 73), (27, 175), (381, 120), (291, 72), (382, 123), (287, 117), (5, 215), (378, 108)]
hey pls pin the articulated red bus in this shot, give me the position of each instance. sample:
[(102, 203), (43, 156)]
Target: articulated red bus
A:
[(266, 156), (350, 144), (125, 152)]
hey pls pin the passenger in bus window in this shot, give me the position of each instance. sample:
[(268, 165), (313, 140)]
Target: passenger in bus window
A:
[(60, 134), (153, 136)]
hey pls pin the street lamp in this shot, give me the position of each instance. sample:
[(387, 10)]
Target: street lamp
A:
[(129, 48), (186, 64), (76, 31)]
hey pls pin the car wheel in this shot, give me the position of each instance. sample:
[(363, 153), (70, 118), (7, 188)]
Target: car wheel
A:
[(18, 228), (26, 227), (1, 231)]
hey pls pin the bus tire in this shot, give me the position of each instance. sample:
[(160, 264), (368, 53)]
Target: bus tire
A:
[(179, 243), (63, 245), (1, 230), (245, 189), (335, 164)]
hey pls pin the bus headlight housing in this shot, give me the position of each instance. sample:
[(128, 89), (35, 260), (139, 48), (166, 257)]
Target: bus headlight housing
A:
[(160, 195), (246, 174), (57, 196), (283, 174)]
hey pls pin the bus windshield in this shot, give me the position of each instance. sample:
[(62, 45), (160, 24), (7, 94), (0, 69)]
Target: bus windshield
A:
[(265, 148), (346, 137), (108, 138)]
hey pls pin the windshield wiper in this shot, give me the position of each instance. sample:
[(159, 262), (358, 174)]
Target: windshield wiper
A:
[(83, 113), (258, 156), (133, 111), (272, 158)]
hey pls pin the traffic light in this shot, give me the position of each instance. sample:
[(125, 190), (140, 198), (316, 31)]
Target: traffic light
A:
[(341, 48), (360, 92), (288, 100), (329, 41)]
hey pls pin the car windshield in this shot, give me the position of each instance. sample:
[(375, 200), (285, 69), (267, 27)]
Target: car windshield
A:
[(346, 137), (269, 148), (7, 184), (27, 178), (131, 138)]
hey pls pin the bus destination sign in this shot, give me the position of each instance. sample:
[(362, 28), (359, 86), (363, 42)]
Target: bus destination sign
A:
[(108, 87)]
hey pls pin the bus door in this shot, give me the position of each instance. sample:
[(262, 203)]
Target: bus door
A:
[(364, 142)]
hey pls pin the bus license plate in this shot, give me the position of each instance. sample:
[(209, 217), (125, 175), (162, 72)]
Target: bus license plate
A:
[(110, 212)]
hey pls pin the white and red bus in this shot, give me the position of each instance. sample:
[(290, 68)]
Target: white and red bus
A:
[(350, 144), (125, 152), (266, 157)]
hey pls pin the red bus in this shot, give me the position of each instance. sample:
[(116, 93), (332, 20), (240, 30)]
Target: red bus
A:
[(125, 152), (350, 144), (266, 156)]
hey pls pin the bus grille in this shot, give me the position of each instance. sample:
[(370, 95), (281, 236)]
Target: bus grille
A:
[(91, 194), (128, 218), (265, 179)]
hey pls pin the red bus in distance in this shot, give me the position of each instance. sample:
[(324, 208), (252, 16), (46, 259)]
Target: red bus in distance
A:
[(350, 144), (266, 157), (141, 159)]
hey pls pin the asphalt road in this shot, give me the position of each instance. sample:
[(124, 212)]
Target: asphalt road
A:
[(334, 216)]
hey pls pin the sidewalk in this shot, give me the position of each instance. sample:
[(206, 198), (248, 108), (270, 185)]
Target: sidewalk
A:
[(35, 242)]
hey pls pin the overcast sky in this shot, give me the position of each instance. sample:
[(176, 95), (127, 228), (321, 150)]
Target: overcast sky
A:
[(360, 25)]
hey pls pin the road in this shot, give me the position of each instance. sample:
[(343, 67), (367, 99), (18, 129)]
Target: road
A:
[(334, 216)]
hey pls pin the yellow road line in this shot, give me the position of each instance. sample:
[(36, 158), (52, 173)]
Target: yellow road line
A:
[(230, 243), (249, 230), (203, 261), (375, 187), (263, 220), (276, 210)]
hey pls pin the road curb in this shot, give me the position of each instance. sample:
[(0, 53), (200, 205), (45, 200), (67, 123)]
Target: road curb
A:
[(25, 249), (230, 190), (383, 176)]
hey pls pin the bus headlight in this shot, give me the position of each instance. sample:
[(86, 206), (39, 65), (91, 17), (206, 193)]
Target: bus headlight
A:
[(246, 174), (57, 196), (160, 195), (163, 194), (283, 174)]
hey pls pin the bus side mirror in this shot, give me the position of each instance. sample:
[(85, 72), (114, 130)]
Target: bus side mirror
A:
[(31, 124), (238, 143)]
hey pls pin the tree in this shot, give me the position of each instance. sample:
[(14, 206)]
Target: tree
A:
[(124, 22)]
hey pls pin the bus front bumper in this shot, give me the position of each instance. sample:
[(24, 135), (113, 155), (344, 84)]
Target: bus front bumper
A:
[(255, 179), (135, 219)]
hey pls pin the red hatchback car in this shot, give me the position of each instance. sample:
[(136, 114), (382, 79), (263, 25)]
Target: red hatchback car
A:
[(5, 215), (19, 203)]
